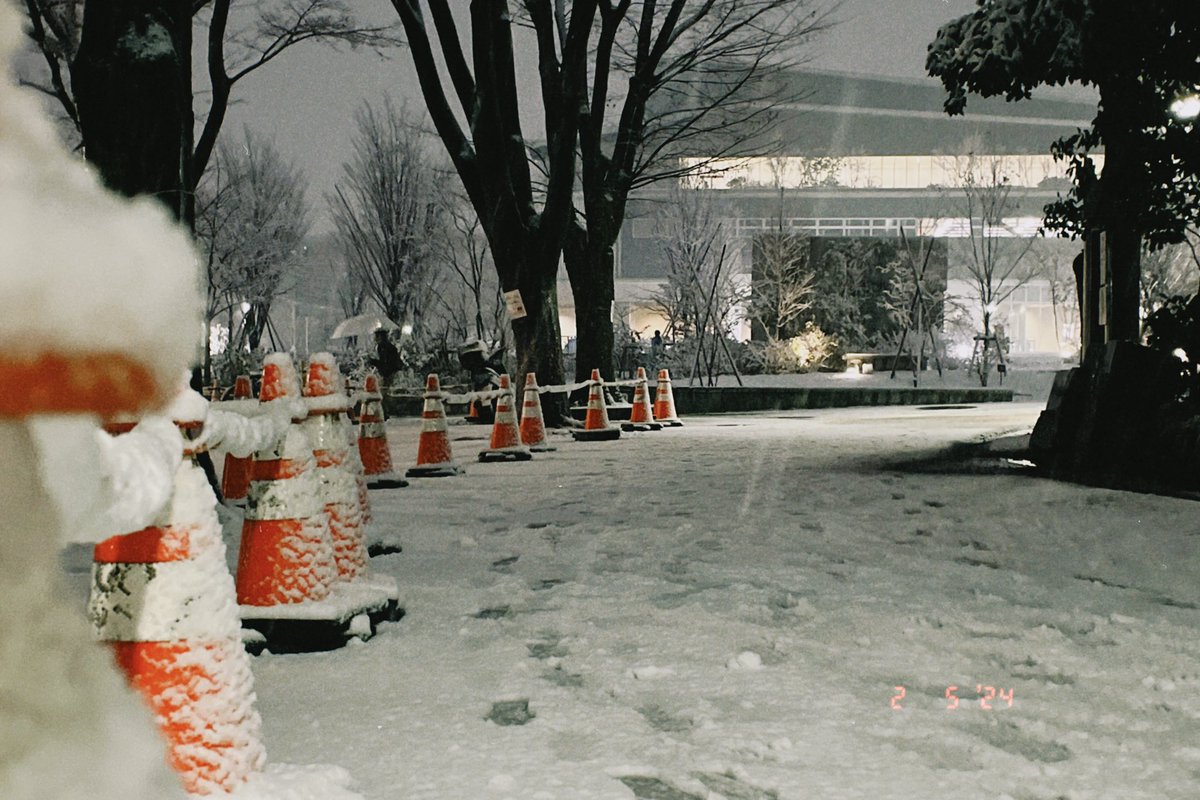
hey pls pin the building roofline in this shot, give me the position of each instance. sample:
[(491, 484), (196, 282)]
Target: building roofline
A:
[(915, 113)]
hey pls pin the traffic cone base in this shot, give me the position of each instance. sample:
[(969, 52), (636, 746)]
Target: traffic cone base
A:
[(641, 426), (388, 481), (510, 454), (434, 471), (597, 435)]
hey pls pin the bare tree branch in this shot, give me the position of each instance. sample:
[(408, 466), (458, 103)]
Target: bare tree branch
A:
[(386, 211), (53, 57)]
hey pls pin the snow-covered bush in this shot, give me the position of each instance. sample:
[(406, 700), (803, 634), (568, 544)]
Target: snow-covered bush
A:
[(805, 352)]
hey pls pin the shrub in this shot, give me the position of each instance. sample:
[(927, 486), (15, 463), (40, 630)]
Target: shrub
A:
[(803, 353)]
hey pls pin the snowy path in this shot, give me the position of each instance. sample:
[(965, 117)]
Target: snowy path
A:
[(724, 610)]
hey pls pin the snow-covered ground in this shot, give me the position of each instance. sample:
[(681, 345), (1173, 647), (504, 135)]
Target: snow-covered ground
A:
[(726, 610)]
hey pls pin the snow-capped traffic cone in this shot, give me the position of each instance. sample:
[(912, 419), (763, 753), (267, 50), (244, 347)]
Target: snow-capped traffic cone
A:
[(641, 416), (327, 402), (287, 551), (163, 599), (372, 439), (533, 427), (235, 477), (595, 425), (506, 439), (664, 401), (434, 459)]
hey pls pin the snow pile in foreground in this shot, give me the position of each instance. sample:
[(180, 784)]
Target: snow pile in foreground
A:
[(293, 782), (103, 485), (82, 271), (69, 729)]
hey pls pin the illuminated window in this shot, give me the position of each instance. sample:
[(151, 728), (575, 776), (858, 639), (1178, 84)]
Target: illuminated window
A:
[(875, 172)]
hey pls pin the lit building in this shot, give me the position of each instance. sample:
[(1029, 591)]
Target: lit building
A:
[(867, 157)]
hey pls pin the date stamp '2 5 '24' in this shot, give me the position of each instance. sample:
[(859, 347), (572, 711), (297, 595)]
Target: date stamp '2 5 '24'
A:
[(990, 698)]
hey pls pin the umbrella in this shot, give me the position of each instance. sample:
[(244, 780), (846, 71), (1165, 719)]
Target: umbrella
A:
[(361, 325)]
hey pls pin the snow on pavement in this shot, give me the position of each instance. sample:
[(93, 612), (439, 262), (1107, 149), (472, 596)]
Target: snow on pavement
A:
[(727, 610)]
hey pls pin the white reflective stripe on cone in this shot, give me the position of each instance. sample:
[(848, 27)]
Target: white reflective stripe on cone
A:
[(325, 432), (162, 602), (286, 499), (433, 424), (370, 430)]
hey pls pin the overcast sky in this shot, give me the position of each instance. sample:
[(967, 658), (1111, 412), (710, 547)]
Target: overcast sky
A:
[(305, 101)]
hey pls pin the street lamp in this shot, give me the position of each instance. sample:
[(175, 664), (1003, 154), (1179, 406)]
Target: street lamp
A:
[(1186, 108)]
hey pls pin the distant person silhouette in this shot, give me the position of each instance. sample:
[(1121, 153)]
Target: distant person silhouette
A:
[(387, 360)]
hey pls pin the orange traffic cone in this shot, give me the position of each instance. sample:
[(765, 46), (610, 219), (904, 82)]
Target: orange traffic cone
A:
[(506, 439), (595, 424), (641, 417), (473, 416), (287, 552), (533, 427), (163, 599), (434, 459), (235, 478), (664, 401), (372, 439), (327, 401)]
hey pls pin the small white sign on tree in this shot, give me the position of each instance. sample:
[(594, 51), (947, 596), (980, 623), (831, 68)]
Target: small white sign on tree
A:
[(516, 306)]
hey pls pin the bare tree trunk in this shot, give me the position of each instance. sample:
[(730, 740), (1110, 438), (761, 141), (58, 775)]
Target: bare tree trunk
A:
[(133, 86), (536, 335), (1124, 279), (985, 360), (590, 269)]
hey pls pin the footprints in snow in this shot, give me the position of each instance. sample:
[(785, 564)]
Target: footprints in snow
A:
[(550, 646), (1160, 599), (510, 712), (927, 532), (1006, 736), (727, 785), (496, 612), (504, 564), (645, 788), (663, 720)]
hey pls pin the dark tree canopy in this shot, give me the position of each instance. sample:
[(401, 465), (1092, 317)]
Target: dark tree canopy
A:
[(122, 72), (1139, 56)]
